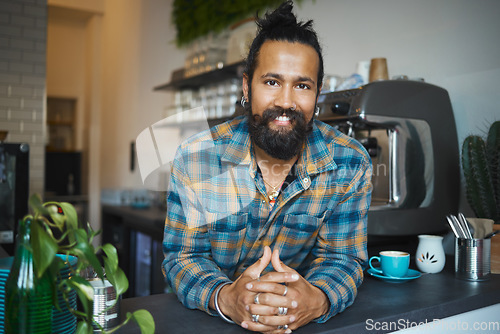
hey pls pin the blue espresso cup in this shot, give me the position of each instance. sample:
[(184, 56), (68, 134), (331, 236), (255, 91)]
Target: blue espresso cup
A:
[(392, 263)]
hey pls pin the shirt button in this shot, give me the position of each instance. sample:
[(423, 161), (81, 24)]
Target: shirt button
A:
[(306, 180)]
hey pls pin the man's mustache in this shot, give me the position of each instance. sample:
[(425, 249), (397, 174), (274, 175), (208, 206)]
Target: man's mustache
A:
[(271, 114)]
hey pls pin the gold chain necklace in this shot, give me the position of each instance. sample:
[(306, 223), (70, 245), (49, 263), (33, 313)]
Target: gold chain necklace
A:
[(272, 195)]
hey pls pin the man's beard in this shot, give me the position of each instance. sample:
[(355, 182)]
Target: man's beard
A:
[(284, 143)]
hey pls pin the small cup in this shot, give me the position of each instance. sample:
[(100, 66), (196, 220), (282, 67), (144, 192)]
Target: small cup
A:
[(392, 263), (378, 69)]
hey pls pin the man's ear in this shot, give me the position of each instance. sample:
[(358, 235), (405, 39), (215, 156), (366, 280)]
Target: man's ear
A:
[(244, 86), (319, 92)]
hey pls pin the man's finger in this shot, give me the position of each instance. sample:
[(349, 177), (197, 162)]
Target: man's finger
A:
[(258, 267)]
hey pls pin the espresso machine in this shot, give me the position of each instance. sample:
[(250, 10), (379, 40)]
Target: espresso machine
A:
[(409, 131)]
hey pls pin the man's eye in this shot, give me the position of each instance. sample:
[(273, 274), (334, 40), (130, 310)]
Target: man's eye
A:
[(303, 86), (271, 82)]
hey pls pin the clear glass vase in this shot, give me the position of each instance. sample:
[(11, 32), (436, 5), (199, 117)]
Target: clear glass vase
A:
[(28, 298)]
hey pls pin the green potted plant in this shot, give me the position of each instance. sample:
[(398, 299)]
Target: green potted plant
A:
[(481, 166), (56, 234)]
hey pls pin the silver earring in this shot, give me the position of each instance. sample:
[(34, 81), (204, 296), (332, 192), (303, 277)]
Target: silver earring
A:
[(243, 101), (316, 113)]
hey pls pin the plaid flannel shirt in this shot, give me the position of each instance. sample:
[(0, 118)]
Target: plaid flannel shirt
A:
[(219, 219)]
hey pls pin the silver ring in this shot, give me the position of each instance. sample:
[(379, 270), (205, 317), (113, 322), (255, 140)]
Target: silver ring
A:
[(282, 310), (255, 317), (286, 291), (283, 327), (256, 298), (292, 108)]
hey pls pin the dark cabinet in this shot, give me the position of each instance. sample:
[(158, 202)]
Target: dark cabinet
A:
[(137, 235)]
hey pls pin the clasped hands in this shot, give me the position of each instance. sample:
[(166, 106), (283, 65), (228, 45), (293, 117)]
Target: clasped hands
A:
[(277, 302)]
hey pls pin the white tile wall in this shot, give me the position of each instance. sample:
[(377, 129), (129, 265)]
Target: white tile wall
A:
[(23, 26)]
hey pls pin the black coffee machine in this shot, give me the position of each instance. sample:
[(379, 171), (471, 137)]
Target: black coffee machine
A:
[(409, 131)]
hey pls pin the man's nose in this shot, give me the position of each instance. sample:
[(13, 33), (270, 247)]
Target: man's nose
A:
[(284, 99)]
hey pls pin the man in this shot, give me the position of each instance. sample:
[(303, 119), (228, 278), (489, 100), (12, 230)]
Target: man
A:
[(274, 179)]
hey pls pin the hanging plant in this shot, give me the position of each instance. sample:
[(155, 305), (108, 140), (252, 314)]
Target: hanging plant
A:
[(197, 18)]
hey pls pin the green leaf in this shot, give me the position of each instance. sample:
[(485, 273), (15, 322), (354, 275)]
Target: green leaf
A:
[(112, 257), (44, 247), (71, 215), (118, 279), (35, 202), (83, 328), (145, 321), (85, 292), (86, 251)]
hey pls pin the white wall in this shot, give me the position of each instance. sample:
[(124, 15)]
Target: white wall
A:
[(140, 54)]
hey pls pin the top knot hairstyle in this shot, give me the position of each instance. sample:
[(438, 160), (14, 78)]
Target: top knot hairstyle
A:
[(282, 25)]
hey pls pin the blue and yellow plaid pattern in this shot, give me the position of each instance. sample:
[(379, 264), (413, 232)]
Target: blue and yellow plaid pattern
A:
[(219, 218)]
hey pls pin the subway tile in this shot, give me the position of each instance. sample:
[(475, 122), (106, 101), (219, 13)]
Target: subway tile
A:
[(21, 67), (40, 46), (9, 54), (21, 90), (12, 127), (34, 57), (40, 69), (9, 6), (36, 186), (39, 92), (37, 34), (41, 22), (21, 20), (29, 103), (10, 102), (16, 137), (35, 10), (4, 18), (31, 127), (8, 78), (22, 44), (20, 115), (33, 80), (37, 147), (9, 30)]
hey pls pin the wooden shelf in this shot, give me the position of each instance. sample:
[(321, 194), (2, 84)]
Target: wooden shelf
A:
[(227, 72)]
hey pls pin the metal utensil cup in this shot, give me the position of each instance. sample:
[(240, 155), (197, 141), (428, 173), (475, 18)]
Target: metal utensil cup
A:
[(104, 297), (472, 259)]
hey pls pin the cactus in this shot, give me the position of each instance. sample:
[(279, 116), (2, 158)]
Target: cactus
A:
[(481, 166)]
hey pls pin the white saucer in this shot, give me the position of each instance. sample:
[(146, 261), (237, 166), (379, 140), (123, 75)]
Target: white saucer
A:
[(410, 275)]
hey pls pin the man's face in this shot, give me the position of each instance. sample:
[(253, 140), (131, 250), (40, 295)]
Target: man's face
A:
[(283, 97)]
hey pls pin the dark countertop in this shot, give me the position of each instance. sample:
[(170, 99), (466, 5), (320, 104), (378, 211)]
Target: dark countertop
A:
[(432, 296)]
